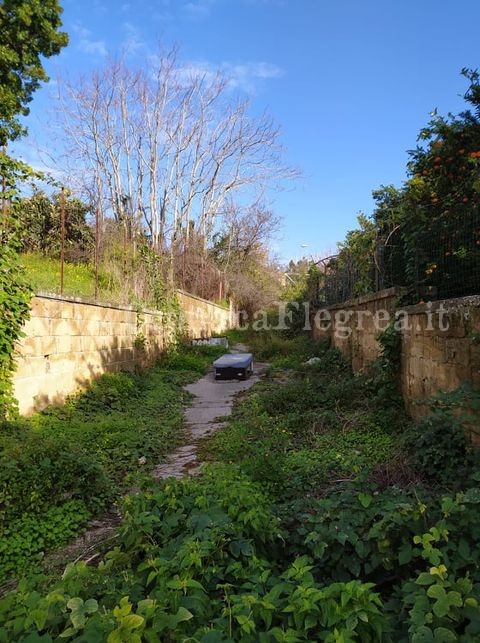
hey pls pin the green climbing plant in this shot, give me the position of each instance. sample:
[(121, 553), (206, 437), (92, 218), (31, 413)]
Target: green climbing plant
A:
[(15, 292), (30, 31)]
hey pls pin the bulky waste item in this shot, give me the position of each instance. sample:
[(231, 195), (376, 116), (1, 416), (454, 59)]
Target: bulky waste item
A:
[(233, 366), (312, 361), (211, 341)]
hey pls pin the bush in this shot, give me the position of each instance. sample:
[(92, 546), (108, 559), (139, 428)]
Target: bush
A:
[(288, 540), (42, 471), (88, 450), (24, 541), (192, 563), (441, 445)]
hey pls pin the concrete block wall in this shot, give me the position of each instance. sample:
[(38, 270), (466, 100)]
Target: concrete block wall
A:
[(432, 359), (68, 342)]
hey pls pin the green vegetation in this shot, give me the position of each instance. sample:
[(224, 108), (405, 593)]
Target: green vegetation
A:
[(67, 463), (29, 32), (329, 518), (423, 235), (14, 288), (41, 226), (278, 349), (321, 424), (43, 273)]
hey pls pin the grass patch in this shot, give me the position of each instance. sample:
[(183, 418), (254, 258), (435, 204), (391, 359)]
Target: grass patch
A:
[(292, 537), (43, 274), (88, 451), (281, 352), (317, 426)]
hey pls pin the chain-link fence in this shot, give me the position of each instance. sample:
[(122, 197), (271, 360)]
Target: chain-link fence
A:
[(439, 261), (446, 262)]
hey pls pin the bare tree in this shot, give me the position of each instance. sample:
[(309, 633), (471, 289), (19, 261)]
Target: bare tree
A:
[(240, 249), (166, 150)]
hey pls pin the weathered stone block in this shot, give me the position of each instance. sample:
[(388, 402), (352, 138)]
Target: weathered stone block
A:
[(63, 344), (29, 366), (457, 351)]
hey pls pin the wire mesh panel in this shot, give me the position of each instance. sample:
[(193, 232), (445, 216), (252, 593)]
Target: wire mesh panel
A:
[(390, 261), (439, 261), (447, 257), (342, 276)]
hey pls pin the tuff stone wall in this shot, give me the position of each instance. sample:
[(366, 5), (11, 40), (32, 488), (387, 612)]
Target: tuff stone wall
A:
[(203, 318), (433, 358), (440, 360), (68, 342), (357, 342)]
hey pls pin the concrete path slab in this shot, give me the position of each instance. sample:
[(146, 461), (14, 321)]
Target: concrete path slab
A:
[(213, 400)]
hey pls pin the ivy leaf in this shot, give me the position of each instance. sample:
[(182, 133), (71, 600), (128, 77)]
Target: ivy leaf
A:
[(425, 579), (183, 615), (472, 495), (423, 635), (405, 554), (80, 610), (445, 601), (365, 500), (442, 635), (132, 621)]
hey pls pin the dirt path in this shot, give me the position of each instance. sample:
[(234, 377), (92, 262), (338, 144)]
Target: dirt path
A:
[(212, 402)]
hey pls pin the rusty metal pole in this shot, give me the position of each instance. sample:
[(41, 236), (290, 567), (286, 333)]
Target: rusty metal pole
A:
[(97, 248), (62, 238)]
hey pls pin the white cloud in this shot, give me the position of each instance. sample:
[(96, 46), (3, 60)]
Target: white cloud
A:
[(94, 47), (272, 3), (100, 7), (202, 8), (198, 8), (196, 69), (133, 40), (245, 76), (80, 30), (87, 44)]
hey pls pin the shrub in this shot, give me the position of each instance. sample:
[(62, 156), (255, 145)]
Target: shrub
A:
[(23, 541), (441, 446)]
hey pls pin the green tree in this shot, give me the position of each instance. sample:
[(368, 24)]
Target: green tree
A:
[(355, 260), (40, 222), (442, 202), (424, 235), (29, 30)]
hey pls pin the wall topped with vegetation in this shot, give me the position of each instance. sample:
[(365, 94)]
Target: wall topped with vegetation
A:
[(68, 342)]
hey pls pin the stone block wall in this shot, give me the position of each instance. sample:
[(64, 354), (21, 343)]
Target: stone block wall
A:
[(440, 360), (203, 318), (68, 342), (353, 332), (435, 355)]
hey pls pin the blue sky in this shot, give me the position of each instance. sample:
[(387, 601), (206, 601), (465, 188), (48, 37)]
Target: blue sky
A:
[(349, 82)]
